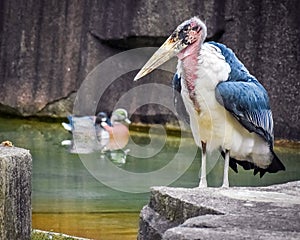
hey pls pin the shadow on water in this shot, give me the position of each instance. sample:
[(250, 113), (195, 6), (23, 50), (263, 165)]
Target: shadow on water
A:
[(67, 198)]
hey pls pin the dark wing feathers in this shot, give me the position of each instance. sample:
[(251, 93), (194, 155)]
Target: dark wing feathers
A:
[(247, 100), (244, 97), (178, 102), (248, 103)]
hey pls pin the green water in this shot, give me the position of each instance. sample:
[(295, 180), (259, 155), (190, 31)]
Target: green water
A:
[(67, 198)]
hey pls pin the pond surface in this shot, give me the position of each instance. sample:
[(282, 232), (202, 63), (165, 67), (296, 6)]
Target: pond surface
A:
[(67, 198)]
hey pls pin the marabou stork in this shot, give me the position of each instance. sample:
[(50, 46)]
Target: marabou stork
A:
[(228, 108)]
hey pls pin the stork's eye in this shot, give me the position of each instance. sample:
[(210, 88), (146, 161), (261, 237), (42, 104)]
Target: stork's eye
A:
[(186, 27), (174, 35), (195, 28)]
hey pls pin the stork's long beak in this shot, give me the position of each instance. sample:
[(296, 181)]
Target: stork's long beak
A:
[(169, 49)]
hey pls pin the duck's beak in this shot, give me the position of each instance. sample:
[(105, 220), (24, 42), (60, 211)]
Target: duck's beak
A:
[(127, 120), (169, 49)]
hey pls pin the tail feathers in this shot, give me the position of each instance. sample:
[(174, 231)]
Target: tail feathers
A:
[(275, 166), (233, 165)]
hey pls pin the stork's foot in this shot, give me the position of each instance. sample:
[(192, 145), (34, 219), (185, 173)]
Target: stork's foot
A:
[(203, 183), (225, 181), (225, 185)]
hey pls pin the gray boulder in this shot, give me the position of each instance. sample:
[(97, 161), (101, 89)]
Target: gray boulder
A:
[(215, 213)]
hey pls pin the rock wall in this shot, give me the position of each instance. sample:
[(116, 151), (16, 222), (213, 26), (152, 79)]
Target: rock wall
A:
[(47, 48)]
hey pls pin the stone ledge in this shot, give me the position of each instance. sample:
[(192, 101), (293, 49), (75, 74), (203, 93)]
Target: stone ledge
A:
[(240, 212)]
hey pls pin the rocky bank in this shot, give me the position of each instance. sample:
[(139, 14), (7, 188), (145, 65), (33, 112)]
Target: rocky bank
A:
[(214, 213)]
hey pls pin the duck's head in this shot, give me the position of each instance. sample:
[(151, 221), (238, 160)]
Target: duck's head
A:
[(101, 117), (120, 115)]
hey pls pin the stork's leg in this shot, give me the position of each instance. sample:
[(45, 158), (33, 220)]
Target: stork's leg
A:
[(203, 182), (226, 168)]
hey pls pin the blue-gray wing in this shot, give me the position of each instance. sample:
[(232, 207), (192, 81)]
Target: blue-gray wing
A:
[(244, 97), (248, 102), (177, 99)]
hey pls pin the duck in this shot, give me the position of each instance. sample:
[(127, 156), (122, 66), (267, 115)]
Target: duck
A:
[(118, 131), (94, 133)]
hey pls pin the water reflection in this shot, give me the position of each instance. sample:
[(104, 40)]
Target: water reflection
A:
[(67, 198)]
